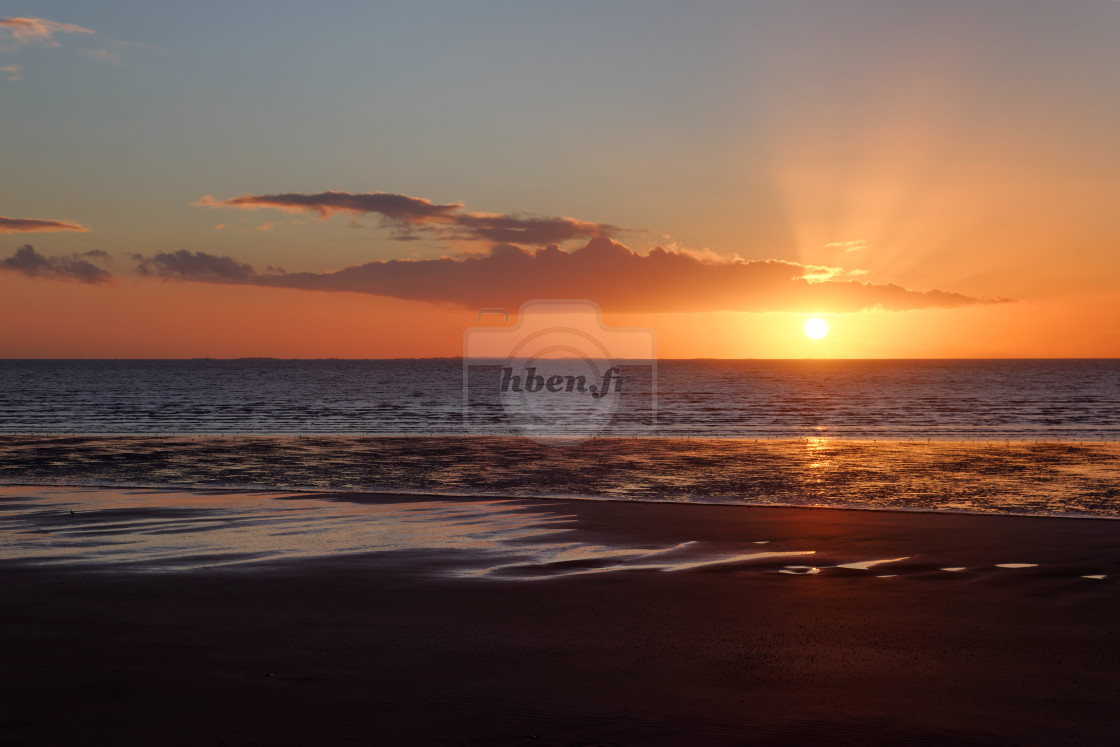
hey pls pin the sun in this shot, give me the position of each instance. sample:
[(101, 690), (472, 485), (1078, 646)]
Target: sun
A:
[(816, 328)]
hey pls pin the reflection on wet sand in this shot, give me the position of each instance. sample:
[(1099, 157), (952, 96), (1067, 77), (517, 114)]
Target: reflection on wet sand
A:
[(152, 530), (192, 530), (146, 530)]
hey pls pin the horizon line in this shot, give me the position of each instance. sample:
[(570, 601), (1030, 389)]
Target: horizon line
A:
[(495, 358)]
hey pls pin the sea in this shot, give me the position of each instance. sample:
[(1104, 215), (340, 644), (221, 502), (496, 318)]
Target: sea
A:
[(1017, 400)]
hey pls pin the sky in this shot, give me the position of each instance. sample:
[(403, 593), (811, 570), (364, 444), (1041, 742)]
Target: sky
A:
[(933, 179)]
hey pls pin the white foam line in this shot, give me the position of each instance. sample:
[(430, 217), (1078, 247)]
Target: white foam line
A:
[(955, 569), (864, 565), (623, 565), (667, 550), (800, 570), (1016, 565), (738, 558), (1098, 577)]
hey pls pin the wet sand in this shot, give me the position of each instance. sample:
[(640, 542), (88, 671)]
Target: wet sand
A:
[(536, 631)]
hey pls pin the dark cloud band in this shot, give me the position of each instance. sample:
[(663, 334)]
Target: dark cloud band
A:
[(605, 271), (77, 267), (404, 215)]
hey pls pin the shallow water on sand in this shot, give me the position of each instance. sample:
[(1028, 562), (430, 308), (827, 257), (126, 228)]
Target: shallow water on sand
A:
[(1057, 479)]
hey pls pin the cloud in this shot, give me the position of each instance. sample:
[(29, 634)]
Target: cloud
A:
[(395, 208), (405, 215), (604, 271), (28, 225), (197, 266), (848, 246), (77, 267), (516, 229), (824, 273), (14, 72), (17, 33), (20, 32)]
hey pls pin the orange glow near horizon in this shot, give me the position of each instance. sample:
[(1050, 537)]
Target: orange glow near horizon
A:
[(155, 319)]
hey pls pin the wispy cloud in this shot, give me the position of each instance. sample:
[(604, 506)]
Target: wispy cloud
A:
[(603, 270), (848, 246), (29, 225), (404, 215), (16, 33), (103, 55), (82, 268), (396, 208), (14, 72)]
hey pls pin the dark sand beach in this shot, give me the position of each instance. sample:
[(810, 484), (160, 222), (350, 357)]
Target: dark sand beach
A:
[(555, 623)]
